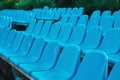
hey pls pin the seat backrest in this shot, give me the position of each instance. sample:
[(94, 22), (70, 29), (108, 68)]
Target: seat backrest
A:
[(62, 11), (5, 34), (68, 11), (93, 67), (77, 34), (31, 26), (92, 38), (46, 28), (115, 72), (11, 37), (50, 54), (38, 27), (106, 22), (65, 32), (1, 31), (111, 41), (17, 41), (68, 60), (55, 29), (49, 14), (116, 15), (37, 48), (83, 19), (96, 13), (105, 13), (64, 18), (57, 14), (80, 11), (73, 20), (26, 44), (93, 21)]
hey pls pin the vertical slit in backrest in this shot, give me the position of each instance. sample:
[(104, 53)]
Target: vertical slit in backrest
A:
[(110, 66), (60, 51)]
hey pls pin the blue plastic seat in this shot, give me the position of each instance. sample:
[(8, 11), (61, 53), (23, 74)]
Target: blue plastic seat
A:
[(57, 14), (38, 27), (64, 18), (23, 49), (75, 11), (1, 31), (49, 15), (54, 31), (107, 23), (73, 20), (96, 13), (45, 28), (105, 13), (31, 26), (15, 44), (93, 21), (65, 32), (114, 74), (93, 67), (33, 55), (62, 11), (47, 60), (38, 13), (116, 15), (68, 11), (92, 38), (77, 35), (64, 68), (111, 41), (4, 36), (9, 40), (83, 19), (80, 11)]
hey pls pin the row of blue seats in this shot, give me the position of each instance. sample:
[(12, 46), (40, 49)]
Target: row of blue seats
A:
[(93, 38), (88, 40), (44, 59), (64, 15), (54, 31)]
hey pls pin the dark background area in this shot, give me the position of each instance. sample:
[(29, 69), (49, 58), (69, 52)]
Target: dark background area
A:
[(89, 5)]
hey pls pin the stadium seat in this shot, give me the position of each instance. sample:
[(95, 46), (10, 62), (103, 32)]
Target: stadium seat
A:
[(38, 27), (92, 39), (116, 15), (15, 44), (54, 31), (73, 20), (47, 60), (93, 67), (31, 26), (33, 55), (110, 43), (9, 40), (65, 32), (93, 21), (23, 48), (4, 36), (77, 35), (83, 20), (45, 28), (106, 23), (105, 13), (64, 68)]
